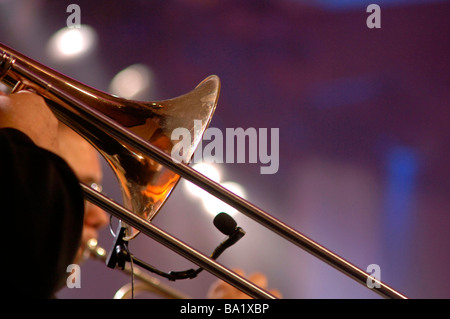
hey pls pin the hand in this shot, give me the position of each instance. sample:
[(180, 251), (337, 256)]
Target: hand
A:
[(29, 113), (222, 290)]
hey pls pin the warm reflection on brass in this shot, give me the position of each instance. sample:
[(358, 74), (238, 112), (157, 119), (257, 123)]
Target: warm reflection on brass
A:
[(145, 184), (144, 283), (135, 139)]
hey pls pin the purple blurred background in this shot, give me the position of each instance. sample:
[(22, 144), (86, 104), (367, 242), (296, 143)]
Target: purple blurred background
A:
[(364, 129)]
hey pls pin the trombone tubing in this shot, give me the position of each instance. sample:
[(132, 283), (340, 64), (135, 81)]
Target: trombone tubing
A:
[(147, 283), (255, 213), (238, 203), (173, 243), (98, 119)]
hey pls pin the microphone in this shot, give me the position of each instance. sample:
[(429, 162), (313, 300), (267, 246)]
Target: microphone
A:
[(225, 223), (227, 226), (119, 253)]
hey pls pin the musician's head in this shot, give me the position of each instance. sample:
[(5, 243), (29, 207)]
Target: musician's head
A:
[(84, 160)]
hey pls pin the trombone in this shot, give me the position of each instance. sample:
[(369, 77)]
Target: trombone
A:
[(146, 282), (134, 138)]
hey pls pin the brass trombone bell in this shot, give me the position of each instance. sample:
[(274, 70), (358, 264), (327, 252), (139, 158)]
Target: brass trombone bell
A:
[(134, 137), (145, 183)]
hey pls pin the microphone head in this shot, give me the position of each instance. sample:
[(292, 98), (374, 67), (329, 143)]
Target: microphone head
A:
[(225, 223)]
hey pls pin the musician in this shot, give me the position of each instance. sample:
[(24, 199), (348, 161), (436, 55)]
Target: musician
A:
[(41, 200), (42, 162)]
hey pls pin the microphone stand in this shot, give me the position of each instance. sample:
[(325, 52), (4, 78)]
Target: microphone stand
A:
[(119, 253)]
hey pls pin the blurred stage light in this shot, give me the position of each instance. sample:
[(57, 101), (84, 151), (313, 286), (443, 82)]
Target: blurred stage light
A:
[(132, 82), (209, 171), (71, 43), (212, 204)]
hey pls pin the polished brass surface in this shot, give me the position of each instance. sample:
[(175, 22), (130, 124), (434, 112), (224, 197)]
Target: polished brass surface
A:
[(144, 282), (134, 137), (145, 183)]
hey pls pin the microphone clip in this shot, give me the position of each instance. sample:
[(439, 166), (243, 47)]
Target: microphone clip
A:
[(118, 254)]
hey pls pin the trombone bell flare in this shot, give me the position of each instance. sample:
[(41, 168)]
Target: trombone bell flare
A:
[(145, 183), (140, 154)]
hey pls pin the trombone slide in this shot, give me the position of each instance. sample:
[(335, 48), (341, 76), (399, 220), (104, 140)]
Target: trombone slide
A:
[(71, 102)]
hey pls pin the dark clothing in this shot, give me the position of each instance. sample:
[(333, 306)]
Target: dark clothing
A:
[(42, 209)]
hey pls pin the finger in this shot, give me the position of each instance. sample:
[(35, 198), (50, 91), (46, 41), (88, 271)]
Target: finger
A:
[(259, 279), (238, 271), (25, 97), (220, 289), (5, 102)]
